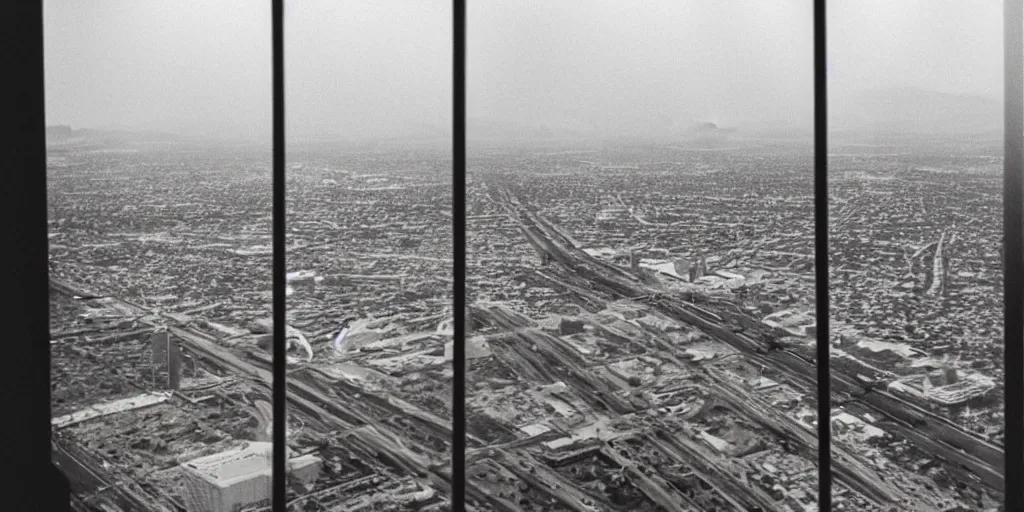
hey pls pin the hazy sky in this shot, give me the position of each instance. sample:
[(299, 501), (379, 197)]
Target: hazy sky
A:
[(371, 68), (608, 65), (953, 46), (181, 66)]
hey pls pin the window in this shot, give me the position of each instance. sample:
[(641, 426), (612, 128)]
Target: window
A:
[(369, 253), (916, 227), (981, 460), (159, 199), (640, 226)]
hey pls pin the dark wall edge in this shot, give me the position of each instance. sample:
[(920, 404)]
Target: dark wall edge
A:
[(32, 482)]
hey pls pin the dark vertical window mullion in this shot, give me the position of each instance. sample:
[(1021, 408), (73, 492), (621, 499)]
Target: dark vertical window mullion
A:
[(1013, 226), (279, 477), (25, 443), (459, 254), (821, 259)]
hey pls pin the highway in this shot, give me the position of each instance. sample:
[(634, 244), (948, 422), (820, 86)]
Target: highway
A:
[(929, 432)]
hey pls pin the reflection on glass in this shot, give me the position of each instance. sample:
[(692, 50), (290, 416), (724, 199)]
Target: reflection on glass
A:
[(158, 195), (369, 255), (915, 174), (641, 256)]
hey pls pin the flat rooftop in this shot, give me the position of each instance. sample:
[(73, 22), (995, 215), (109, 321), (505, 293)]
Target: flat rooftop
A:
[(234, 465)]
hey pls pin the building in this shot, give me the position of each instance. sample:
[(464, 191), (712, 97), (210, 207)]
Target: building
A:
[(238, 477), (166, 360)]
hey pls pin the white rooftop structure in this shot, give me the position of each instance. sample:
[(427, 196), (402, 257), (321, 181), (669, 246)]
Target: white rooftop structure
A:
[(237, 477)]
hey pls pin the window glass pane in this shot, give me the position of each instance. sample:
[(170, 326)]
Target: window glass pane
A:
[(369, 259), (641, 256), (915, 172), (159, 228)]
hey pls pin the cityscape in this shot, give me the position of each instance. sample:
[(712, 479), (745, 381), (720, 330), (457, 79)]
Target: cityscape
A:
[(641, 323), (641, 328)]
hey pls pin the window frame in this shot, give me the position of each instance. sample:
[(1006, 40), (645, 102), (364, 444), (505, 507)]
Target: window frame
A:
[(25, 200)]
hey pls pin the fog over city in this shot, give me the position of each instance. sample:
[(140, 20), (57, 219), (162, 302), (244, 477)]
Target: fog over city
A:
[(355, 70), (595, 68)]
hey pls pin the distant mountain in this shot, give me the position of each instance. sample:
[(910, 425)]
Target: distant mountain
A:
[(553, 129), (707, 130), (909, 110), (62, 135), (58, 133)]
